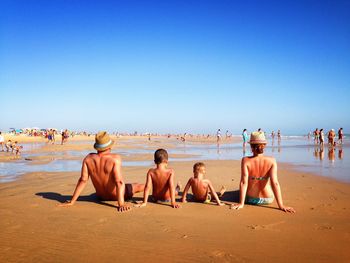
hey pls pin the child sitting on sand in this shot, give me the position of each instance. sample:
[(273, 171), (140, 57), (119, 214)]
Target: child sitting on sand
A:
[(202, 189), (162, 180)]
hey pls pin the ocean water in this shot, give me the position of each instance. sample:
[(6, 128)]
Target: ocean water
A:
[(333, 162)]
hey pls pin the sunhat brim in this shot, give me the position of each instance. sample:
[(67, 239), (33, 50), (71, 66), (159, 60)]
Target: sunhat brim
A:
[(102, 147)]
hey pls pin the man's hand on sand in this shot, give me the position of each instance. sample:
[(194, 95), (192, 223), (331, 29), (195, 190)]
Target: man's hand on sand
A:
[(236, 206), (287, 209), (66, 204), (175, 206), (123, 208)]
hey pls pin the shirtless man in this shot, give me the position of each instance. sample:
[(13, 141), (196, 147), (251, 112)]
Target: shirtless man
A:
[(340, 136), (202, 189), (162, 180), (259, 177), (316, 136), (104, 168), (331, 137)]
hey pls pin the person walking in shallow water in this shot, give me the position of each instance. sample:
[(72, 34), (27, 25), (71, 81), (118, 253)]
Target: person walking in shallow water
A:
[(340, 136), (245, 138), (259, 184)]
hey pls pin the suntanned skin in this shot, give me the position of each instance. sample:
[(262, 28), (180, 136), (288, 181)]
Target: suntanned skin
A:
[(200, 187), (161, 179), (104, 168), (259, 165)]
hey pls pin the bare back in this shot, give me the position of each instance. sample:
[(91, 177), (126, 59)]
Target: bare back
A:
[(259, 170), (161, 183), (103, 169), (199, 188)]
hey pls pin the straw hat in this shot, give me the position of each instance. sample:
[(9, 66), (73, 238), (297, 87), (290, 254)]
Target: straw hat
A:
[(103, 141), (257, 138)]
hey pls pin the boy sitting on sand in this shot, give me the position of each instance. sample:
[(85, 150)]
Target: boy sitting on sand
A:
[(162, 180), (202, 189)]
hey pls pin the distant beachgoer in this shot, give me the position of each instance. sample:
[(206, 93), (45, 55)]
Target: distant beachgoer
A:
[(202, 189), (279, 135), (316, 136), (340, 136), (245, 137), (218, 136), (161, 178), (256, 173), (149, 136), (259, 130), (321, 137), (331, 137), (104, 168), (17, 149), (309, 135), (273, 135), (2, 141), (13, 146), (8, 145)]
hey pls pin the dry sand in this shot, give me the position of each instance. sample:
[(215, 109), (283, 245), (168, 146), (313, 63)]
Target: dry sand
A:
[(34, 229)]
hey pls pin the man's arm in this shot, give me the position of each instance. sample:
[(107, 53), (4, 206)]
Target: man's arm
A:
[(119, 183), (243, 186), (277, 189), (172, 190), (147, 189), (84, 177), (187, 187)]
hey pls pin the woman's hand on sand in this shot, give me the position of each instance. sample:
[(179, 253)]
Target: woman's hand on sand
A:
[(66, 204), (123, 208), (287, 209), (236, 206)]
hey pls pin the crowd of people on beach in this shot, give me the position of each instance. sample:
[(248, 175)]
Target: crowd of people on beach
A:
[(319, 137)]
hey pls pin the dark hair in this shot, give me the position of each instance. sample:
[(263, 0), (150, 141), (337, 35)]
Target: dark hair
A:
[(197, 166), (258, 148), (244, 130), (160, 156)]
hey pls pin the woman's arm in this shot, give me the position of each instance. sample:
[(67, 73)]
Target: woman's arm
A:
[(243, 186)]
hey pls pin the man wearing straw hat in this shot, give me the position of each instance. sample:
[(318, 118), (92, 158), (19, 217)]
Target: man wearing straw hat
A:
[(104, 168)]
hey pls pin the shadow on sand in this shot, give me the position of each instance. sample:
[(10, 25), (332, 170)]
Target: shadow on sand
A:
[(63, 198)]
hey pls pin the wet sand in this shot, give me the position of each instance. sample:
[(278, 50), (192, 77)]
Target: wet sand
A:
[(34, 229)]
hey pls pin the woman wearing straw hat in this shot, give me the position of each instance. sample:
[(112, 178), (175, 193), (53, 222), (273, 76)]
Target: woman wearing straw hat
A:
[(259, 177)]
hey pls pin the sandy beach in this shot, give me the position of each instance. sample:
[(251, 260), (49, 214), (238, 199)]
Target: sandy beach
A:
[(34, 229)]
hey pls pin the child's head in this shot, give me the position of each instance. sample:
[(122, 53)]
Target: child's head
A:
[(198, 168), (160, 156)]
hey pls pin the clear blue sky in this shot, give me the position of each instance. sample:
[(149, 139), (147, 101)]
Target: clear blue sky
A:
[(175, 66)]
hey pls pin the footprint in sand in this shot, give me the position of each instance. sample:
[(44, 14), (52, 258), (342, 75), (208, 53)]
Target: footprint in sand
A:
[(270, 227), (334, 198), (323, 227), (102, 220), (225, 257)]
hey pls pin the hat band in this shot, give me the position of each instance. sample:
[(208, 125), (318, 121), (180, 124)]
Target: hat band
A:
[(97, 145)]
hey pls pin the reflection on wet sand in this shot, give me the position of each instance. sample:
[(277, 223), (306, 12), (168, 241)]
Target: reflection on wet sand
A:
[(319, 153)]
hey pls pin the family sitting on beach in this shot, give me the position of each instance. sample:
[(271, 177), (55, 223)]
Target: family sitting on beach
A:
[(258, 186)]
